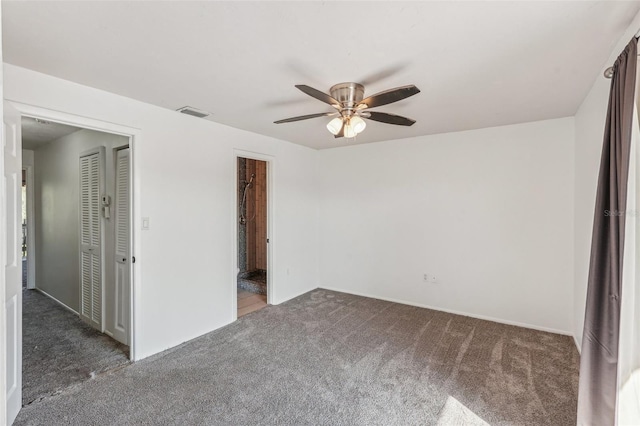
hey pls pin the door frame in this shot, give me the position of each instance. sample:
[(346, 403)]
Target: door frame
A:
[(134, 136), (3, 314), (271, 284), (31, 235)]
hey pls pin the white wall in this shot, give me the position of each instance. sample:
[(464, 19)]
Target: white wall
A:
[(56, 221), (589, 122), (589, 130), (57, 216), (184, 180), (27, 157), (488, 212)]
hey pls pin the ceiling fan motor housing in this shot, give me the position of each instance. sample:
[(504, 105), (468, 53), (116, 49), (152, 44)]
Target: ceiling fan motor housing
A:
[(348, 94), (348, 100)]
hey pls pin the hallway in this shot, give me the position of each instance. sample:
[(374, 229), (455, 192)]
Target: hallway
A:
[(249, 302), (60, 350)]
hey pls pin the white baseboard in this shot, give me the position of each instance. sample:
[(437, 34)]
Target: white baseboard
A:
[(56, 300), (296, 295), (575, 340), (451, 311)]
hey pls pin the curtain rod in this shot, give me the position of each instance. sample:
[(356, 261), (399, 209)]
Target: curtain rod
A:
[(608, 73)]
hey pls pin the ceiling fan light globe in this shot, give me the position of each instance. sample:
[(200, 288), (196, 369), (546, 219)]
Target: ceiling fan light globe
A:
[(349, 131), (358, 124), (335, 125)]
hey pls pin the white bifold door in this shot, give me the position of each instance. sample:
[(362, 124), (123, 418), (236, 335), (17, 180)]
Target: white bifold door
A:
[(122, 256), (91, 276), (11, 330)]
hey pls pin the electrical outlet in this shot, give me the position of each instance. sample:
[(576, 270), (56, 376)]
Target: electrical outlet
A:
[(425, 278)]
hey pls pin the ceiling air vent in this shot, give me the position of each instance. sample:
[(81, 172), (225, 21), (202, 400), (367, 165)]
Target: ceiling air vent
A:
[(193, 111)]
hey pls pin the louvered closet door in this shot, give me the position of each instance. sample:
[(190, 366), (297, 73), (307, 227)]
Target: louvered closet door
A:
[(122, 256), (91, 292)]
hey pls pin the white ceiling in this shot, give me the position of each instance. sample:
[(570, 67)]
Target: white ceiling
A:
[(478, 64), (36, 134)]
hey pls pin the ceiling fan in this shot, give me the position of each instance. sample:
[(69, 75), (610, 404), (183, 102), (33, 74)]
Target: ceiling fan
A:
[(351, 107)]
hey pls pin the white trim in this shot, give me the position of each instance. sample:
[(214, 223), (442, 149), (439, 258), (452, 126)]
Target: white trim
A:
[(575, 340), (31, 228), (57, 301), (451, 311), (74, 120), (300, 293), (135, 223), (134, 135), (271, 284), (100, 150), (3, 261)]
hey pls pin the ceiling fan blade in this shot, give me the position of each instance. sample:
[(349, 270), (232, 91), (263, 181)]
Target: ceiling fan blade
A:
[(321, 96), (385, 117), (389, 96), (305, 117), (340, 133)]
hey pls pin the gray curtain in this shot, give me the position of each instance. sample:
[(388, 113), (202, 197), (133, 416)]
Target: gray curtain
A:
[(599, 357)]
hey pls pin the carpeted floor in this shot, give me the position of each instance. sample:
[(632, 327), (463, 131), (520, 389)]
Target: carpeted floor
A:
[(60, 350), (328, 358)]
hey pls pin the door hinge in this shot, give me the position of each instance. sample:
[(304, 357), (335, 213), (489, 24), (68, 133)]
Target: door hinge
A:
[(133, 259), (267, 241)]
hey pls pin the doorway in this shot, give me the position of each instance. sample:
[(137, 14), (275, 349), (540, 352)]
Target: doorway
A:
[(12, 318), (252, 278), (28, 238), (25, 216), (76, 317)]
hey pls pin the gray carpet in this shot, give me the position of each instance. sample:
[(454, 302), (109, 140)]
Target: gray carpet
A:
[(328, 358), (59, 350)]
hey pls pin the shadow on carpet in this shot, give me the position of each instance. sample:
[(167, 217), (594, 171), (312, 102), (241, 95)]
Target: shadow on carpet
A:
[(329, 358), (59, 350)]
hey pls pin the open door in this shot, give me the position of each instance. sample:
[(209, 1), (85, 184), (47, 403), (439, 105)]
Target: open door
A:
[(12, 376)]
